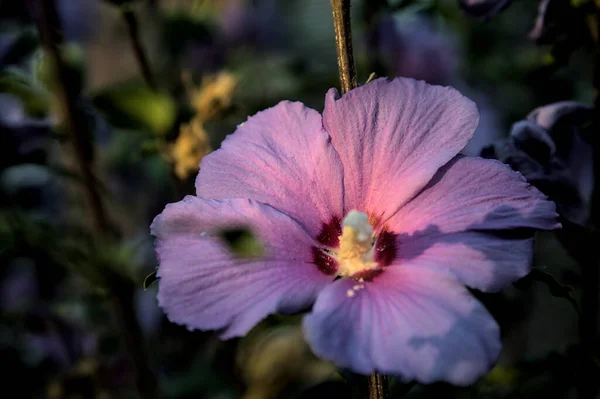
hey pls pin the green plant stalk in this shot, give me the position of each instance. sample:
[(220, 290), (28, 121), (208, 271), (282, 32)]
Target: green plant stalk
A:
[(138, 49), (77, 127)]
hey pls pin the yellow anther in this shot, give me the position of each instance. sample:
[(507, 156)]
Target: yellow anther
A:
[(356, 244)]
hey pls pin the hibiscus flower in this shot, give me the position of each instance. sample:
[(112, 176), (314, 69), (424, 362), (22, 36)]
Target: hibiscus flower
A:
[(368, 214)]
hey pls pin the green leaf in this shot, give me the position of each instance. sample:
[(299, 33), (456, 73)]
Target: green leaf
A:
[(74, 63), (556, 288), (136, 106), (22, 42), (149, 148), (150, 279), (372, 76), (242, 242), (36, 101), (182, 29)]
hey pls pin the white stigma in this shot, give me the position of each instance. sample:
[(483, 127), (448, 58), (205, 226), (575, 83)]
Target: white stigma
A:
[(359, 221), (356, 245)]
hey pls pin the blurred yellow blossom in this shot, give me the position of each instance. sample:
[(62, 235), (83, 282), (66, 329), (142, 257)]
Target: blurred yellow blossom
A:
[(187, 151), (215, 95)]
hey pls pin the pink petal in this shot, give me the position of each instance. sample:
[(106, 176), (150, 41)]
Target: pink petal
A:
[(204, 286), (475, 219), (412, 322), (281, 157), (392, 136), (476, 194)]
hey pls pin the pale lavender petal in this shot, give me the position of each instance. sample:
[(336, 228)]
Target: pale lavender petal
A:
[(392, 137), (476, 194), (548, 116), (413, 322), (281, 157), (204, 286), (482, 260), (475, 219)]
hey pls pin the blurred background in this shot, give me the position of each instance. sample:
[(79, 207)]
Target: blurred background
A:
[(151, 87)]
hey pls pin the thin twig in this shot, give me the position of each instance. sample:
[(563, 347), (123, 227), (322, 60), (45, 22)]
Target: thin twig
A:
[(77, 125), (81, 138), (343, 41), (138, 49)]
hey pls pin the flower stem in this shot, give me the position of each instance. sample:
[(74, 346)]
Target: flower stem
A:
[(138, 49), (343, 41), (378, 386)]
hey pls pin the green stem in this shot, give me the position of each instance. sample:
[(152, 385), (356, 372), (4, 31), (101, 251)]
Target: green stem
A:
[(138, 49), (77, 126)]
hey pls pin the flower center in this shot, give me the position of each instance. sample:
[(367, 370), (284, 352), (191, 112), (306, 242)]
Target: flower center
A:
[(355, 252)]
